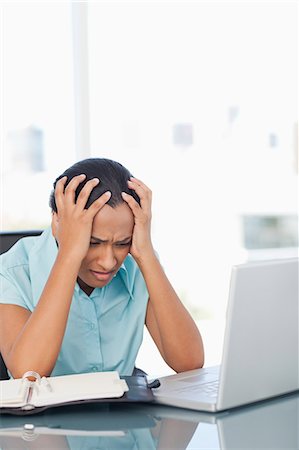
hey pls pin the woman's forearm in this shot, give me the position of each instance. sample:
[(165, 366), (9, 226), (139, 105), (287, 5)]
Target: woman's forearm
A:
[(178, 335), (38, 344)]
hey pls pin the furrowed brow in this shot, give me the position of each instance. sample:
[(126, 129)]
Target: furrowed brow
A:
[(97, 239)]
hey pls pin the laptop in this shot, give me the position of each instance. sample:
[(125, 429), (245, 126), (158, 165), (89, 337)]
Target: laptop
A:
[(260, 350)]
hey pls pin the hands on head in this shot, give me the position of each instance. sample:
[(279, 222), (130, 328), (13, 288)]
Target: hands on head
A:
[(101, 236)]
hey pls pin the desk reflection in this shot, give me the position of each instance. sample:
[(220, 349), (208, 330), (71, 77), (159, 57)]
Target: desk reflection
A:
[(268, 425)]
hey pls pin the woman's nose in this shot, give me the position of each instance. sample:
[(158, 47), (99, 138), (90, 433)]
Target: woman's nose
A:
[(106, 259)]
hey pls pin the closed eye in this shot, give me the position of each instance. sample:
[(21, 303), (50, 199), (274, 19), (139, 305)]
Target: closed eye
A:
[(123, 244), (118, 244)]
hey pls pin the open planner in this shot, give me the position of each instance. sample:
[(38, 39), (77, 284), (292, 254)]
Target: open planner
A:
[(32, 391)]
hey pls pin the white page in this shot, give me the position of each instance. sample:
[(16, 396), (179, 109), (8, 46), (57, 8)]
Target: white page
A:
[(12, 392), (79, 387)]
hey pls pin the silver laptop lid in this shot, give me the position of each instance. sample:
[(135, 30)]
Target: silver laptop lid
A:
[(260, 351)]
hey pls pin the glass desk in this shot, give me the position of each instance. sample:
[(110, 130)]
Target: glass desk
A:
[(273, 424)]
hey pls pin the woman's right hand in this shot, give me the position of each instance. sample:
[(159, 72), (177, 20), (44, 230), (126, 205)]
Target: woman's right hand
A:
[(72, 224)]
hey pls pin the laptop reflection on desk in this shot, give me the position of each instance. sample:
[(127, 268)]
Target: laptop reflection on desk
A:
[(260, 351), (271, 424)]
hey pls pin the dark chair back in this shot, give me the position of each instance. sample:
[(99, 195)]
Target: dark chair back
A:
[(7, 240)]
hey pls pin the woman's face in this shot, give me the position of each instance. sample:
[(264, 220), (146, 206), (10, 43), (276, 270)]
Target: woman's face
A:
[(110, 243)]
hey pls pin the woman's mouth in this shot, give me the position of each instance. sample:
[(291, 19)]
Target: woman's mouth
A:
[(102, 276)]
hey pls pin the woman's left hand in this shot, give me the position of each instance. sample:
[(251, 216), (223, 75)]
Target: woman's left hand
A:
[(168, 321), (141, 246)]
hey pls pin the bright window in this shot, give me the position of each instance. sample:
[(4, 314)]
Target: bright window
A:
[(37, 125), (198, 99)]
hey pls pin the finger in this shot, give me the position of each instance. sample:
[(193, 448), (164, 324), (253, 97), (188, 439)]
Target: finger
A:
[(138, 184), (59, 190), (70, 190), (135, 207), (143, 192), (98, 204), (139, 189), (86, 191)]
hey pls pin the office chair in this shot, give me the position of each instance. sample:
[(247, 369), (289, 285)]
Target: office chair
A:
[(7, 240)]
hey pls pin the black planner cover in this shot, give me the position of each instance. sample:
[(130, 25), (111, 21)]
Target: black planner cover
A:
[(139, 391)]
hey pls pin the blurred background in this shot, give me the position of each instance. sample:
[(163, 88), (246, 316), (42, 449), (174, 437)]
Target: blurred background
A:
[(199, 99)]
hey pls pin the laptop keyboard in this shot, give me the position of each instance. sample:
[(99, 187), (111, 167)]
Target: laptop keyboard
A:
[(209, 387)]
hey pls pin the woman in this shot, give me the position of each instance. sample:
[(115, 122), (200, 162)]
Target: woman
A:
[(76, 298)]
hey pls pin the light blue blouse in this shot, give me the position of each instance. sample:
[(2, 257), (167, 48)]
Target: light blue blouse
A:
[(104, 330)]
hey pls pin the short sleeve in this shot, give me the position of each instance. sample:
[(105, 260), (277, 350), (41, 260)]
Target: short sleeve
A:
[(25, 268), (13, 290)]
